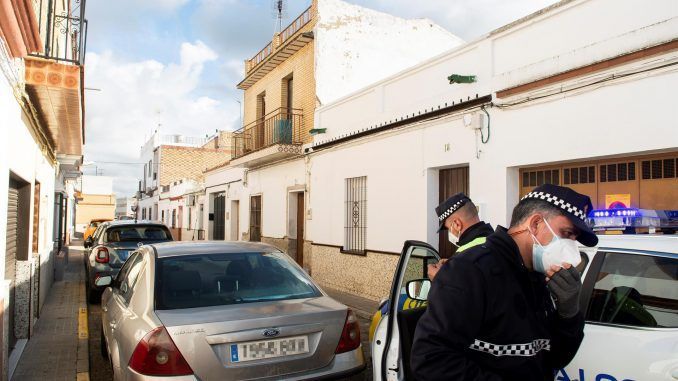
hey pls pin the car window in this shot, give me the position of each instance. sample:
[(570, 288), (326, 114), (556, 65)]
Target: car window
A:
[(223, 279), (131, 275), (122, 274), (417, 268), (635, 290), (137, 233)]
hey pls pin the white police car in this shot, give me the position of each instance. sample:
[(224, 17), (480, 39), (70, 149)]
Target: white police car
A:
[(629, 296)]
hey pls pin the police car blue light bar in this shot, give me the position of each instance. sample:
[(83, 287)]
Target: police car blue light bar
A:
[(631, 219)]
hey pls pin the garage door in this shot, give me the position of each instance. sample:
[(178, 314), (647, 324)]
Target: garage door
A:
[(11, 251)]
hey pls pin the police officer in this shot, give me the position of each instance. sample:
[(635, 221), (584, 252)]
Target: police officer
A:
[(506, 309), (459, 216)]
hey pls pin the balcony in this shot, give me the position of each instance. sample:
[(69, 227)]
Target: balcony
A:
[(54, 75), (278, 135), (294, 37)]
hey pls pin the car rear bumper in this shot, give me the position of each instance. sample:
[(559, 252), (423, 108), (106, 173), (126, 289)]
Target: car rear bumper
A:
[(134, 376), (343, 365)]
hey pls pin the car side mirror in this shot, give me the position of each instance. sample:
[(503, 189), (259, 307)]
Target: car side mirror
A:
[(104, 281), (418, 289), (88, 242)]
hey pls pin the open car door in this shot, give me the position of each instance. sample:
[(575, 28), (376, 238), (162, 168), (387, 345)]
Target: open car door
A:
[(393, 336)]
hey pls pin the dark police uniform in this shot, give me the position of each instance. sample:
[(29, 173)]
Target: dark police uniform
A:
[(473, 236), (489, 318)]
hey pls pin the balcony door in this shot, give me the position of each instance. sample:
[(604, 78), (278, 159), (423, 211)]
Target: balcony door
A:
[(261, 122)]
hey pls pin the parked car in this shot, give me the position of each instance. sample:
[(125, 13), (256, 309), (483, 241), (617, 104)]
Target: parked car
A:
[(108, 248), (629, 297), (224, 311), (93, 225)]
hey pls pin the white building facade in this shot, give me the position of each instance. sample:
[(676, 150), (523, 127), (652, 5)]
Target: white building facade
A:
[(562, 96)]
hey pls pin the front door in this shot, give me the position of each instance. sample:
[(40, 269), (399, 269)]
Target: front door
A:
[(451, 182), (300, 228), (394, 336), (255, 219), (235, 220), (219, 217)]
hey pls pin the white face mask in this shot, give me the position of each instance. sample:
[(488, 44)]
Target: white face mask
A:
[(556, 252), (453, 238)]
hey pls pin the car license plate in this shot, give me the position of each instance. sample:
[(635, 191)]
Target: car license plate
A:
[(257, 350)]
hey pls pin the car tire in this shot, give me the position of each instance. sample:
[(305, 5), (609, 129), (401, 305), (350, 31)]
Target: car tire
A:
[(102, 340), (93, 296)]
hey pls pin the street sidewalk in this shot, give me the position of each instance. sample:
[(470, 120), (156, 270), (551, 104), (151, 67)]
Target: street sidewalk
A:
[(58, 348), (363, 307)]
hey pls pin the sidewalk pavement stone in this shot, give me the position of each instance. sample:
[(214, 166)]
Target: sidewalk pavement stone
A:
[(55, 351)]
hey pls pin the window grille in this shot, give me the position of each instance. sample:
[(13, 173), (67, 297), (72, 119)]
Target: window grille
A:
[(355, 225)]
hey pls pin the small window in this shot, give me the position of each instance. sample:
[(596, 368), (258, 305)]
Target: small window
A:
[(646, 170), (632, 170), (533, 179), (669, 168), (566, 176), (540, 178), (603, 173), (656, 169), (636, 290), (526, 179), (355, 222), (622, 172)]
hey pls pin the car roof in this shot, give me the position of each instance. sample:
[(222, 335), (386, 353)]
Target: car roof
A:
[(641, 242), (134, 222), (179, 248)]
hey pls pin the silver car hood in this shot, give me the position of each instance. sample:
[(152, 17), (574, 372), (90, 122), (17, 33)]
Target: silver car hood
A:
[(204, 336)]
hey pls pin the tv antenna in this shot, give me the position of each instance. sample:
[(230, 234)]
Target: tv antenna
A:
[(280, 12)]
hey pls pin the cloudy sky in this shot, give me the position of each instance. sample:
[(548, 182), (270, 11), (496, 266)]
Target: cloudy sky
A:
[(173, 64)]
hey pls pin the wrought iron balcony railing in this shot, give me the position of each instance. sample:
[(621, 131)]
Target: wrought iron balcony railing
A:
[(282, 126), (63, 28)]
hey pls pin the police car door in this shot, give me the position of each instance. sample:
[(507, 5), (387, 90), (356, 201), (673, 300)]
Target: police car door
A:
[(390, 361), (631, 303)]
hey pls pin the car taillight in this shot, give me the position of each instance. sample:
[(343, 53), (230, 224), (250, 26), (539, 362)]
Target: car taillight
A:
[(350, 336), (157, 355), (102, 255)]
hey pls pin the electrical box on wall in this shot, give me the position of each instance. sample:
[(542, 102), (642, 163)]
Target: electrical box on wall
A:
[(474, 121)]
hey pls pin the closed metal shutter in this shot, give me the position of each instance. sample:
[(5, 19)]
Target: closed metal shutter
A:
[(10, 253), (219, 217)]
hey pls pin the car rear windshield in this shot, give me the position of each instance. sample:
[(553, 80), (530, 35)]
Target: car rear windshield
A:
[(224, 279), (138, 233)]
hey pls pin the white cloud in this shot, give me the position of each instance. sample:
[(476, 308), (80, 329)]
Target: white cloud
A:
[(138, 97)]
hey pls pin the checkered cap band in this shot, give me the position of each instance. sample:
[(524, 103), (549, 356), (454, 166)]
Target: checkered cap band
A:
[(451, 210), (524, 350), (557, 202)]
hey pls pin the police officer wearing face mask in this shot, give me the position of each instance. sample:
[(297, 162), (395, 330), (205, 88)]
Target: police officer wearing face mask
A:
[(459, 216), (508, 309)]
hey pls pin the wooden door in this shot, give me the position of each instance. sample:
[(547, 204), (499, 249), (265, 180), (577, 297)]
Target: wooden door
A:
[(300, 228), (451, 181), (255, 219)]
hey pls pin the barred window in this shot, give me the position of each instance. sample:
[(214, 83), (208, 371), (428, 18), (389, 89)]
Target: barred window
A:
[(355, 225)]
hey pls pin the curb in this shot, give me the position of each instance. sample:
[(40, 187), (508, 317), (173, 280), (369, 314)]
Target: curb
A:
[(82, 366)]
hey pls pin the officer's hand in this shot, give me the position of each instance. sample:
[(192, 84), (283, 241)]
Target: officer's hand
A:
[(434, 268), (565, 285)]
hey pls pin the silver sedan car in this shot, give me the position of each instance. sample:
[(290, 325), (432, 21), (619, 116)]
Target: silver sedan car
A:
[(224, 311)]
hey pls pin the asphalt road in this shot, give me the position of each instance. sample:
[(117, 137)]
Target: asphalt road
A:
[(100, 369)]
